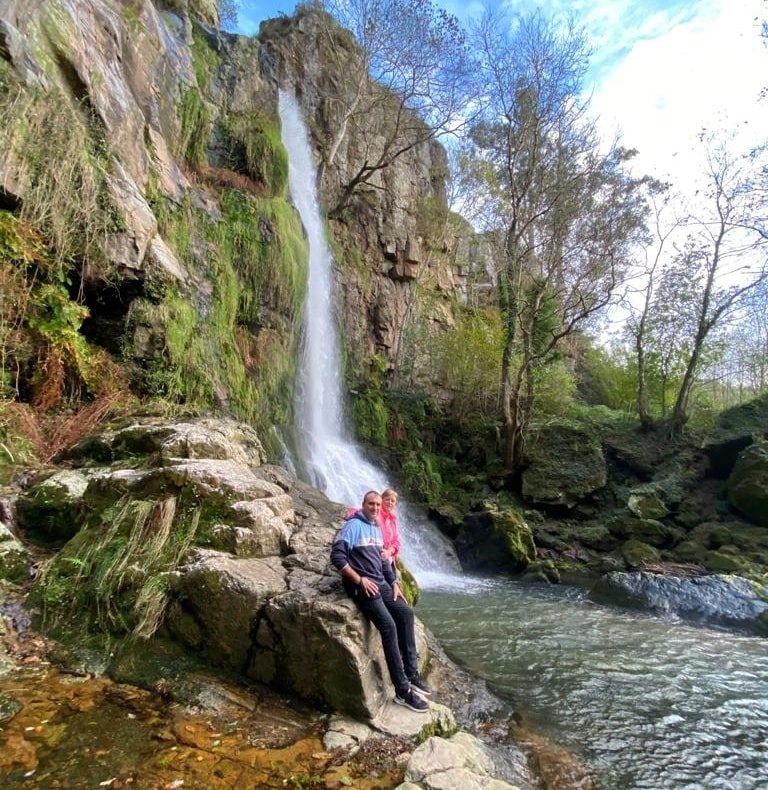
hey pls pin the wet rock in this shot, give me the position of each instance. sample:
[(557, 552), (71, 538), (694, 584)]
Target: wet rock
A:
[(720, 599), (495, 540)]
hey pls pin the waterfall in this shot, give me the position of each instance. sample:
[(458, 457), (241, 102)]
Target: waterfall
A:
[(328, 456)]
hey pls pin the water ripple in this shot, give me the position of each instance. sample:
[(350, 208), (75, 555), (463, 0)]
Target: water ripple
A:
[(648, 702)]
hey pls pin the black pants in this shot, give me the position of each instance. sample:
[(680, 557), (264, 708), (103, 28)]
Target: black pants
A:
[(394, 621)]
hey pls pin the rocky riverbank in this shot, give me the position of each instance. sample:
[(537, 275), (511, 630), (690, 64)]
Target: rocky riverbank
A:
[(177, 572)]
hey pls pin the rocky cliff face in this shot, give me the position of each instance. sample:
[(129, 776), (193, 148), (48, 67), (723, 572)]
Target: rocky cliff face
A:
[(397, 251), (142, 145)]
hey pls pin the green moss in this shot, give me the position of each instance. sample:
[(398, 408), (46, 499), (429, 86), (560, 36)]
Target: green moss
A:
[(422, 476), (408, 583), (517, 536), (638, 554), (56, 154), (255, 148), (371, 418), (236, 350), (196, 117), (115, 570)]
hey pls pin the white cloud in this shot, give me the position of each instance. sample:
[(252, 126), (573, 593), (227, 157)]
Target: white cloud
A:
[(706, 70)]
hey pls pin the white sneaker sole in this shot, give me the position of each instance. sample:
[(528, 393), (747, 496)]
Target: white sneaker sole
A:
[(400, 701)]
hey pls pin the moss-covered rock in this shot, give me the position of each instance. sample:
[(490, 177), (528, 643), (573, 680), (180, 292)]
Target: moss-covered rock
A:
[(565, 464), (734, 430), (748, 483), (14, 558), (409, 584), (726, 560), (50, 512), (495, 540), (646, 504), (542, 571), (638, 554)]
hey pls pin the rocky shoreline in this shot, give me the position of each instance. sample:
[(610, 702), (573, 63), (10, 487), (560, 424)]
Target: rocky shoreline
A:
[(249, 597)]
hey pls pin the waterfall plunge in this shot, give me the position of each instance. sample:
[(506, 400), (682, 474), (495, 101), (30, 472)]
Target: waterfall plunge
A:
[(329, 457)]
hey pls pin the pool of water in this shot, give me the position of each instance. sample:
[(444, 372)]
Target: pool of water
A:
[(645, 702)]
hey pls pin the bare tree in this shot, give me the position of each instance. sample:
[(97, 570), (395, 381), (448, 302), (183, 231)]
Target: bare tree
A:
[(725, 252), (411, 68), (562, 210)]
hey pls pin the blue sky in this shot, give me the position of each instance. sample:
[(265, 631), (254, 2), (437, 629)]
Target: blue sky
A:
[(661, 69)]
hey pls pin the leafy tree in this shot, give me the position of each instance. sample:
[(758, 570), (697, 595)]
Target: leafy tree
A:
[(640, 301), (411, 67), (562, 211)]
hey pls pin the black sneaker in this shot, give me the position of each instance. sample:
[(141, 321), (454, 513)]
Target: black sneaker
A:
[(413, 701), (420, 686)]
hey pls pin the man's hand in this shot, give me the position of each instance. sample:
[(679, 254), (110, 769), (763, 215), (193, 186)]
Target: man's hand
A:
[(397, 592), (369, 586)]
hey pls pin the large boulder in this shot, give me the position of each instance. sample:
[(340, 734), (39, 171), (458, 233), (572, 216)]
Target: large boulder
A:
[(723, 599), (225, 556), (735, 429), (748, 483), (565, 464), (495, 540)]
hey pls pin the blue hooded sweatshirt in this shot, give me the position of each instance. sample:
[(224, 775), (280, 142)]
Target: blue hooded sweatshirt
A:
[(359, 543)]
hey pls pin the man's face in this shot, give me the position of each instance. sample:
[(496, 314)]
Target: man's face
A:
[(372, 507)]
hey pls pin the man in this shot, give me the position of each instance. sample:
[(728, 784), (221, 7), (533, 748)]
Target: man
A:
[(372, 584)]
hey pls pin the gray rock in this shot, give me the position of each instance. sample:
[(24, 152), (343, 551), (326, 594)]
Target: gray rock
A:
[(729, 600), (226, 596), (448, 763)]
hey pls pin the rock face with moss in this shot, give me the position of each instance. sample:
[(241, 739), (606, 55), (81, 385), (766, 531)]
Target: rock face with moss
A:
[(748, 483), (144, 163), (565, 464), (182, 535)]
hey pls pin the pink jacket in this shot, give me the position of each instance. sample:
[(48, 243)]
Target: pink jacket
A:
[(389, 531)]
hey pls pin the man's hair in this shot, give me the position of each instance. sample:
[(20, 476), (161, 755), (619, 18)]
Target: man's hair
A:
[(368, 493)]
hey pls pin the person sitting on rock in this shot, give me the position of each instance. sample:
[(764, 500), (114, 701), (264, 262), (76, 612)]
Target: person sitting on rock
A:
[(388, 524), (372, 584)]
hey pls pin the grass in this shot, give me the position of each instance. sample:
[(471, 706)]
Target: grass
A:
[(118, 569)]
